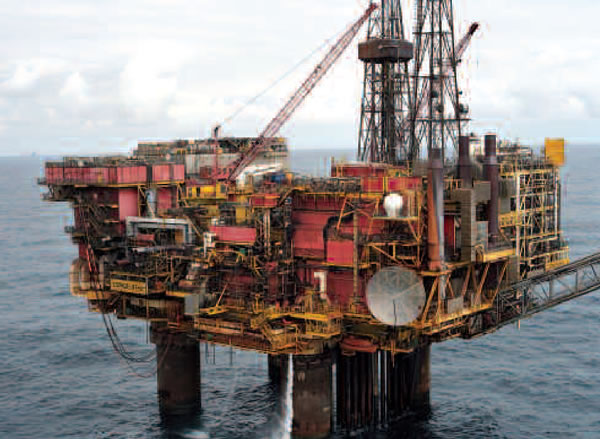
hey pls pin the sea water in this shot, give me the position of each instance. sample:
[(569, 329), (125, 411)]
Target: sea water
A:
[(59, 377)]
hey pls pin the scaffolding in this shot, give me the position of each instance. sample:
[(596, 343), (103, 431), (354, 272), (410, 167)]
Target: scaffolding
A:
[(530, 216)]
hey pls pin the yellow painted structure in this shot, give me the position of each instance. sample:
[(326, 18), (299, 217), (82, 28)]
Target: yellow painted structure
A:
[(129, 286), (555, 151)]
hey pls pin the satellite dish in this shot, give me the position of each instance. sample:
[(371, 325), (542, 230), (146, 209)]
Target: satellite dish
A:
[(396, 296)]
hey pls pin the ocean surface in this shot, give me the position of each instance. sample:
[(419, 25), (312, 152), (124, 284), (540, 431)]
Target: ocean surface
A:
[(60, 378)]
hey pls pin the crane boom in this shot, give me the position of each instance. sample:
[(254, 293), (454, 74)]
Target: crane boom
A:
[(298, 97), (464, 42)]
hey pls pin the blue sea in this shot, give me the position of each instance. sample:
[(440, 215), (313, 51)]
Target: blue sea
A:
[(60, 378)]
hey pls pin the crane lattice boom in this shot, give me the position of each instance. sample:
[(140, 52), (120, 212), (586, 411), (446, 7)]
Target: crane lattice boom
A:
[(298, 97)]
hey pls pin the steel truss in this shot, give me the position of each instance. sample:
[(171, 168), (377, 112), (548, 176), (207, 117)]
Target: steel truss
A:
[(439, 118), (386, 101), (531, 296)]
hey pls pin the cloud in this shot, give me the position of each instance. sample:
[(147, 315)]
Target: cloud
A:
[(149, 81), (75, 89), (27, 73), (109, 73)]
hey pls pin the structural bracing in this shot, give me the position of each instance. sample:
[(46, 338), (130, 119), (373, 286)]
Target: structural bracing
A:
[(386, 96), (439, 115)]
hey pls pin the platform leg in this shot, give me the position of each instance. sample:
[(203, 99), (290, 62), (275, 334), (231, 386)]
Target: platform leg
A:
[(375, 389), (178, 372), (312, 396), (278, 365), (411, 380), (421, 399)]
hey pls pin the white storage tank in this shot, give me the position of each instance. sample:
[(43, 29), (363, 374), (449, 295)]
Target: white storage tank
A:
[(393, 204)]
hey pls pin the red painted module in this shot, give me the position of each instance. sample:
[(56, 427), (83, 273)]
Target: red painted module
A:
[(340, 285), (98, 176), (373, 184), (243, 235), (178, 172), (358, 170), (49, 174), (165, 198), (264, 200), (129, 175), (79, 175), (161, 173), (54, 174), (397, 184), (307, 238), (366, 226), (168, 172), (340, 252), (67, 174), (311, 203), (72, 175), (128, 203)]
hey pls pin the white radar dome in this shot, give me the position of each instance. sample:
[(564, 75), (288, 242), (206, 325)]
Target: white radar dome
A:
[(396, 296)]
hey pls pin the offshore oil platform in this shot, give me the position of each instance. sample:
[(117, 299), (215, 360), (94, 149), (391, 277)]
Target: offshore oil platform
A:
[(433, 234)]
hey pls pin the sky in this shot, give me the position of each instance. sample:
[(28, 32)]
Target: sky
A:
[(89, 76)]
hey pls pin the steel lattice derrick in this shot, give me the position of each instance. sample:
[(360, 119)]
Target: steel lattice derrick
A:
[(386, 94), (439, 117)]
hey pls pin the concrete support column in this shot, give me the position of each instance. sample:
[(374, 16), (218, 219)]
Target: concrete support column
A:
[(422, 400), (278, 365), (312, 396), (178, 372)]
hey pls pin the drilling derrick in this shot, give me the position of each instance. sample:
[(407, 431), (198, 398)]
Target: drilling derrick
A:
[(386, 98), (439, 117)]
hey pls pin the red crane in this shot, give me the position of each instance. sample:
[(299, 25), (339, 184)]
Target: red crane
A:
[(464, 42), (230, 173)]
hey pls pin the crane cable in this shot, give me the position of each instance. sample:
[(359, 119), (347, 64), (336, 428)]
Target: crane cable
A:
[(115, 340)]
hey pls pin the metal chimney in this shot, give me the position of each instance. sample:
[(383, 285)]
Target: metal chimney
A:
[(491, 170), (464, 161), (435, 209)]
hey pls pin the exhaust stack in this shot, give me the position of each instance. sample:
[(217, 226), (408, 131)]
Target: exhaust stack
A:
[(435, 209), (465, 172), (491, 169)]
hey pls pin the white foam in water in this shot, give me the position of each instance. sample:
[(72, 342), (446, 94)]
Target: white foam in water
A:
[(196, 435), (288, 408)]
